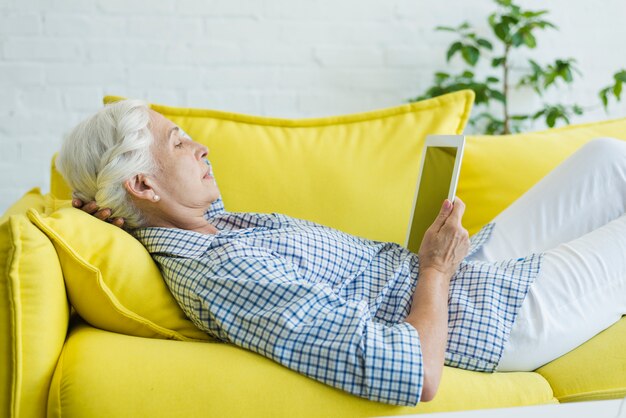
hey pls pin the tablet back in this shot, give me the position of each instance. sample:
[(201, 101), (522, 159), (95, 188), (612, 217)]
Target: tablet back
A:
[(437, 181)]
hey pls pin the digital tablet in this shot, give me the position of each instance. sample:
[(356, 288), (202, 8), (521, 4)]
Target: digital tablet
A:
[(437, 180)]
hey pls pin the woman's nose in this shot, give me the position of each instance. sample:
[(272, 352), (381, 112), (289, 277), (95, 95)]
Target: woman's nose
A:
[(203, 151)]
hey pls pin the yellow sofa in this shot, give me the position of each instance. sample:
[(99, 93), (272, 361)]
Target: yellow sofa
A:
[(67, 349)]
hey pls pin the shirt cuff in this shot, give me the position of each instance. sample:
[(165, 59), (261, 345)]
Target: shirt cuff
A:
[(394, 371)]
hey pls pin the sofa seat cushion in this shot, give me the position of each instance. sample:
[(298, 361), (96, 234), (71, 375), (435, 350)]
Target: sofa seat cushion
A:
[(595, 370), (103, 374)]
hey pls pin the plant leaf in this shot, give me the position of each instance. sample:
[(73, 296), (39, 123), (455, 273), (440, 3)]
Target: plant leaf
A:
[(517, 39), (544, 24), (536, 67), (485, 44), (529, 40), (603, 96), (498, 96), (617, 90), (441, 77), (453, 49), (551, 119), (534, 14), (496, 62), (502, 31), (470, 54), (567, 76), (548, 79)]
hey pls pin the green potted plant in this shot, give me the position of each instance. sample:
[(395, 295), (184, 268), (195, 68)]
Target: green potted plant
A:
[(512, 28)]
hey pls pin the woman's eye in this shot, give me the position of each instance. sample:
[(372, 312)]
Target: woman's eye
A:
[(179, 145), (183, 134)]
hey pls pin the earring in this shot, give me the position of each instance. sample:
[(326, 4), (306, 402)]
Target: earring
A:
[(156, 197)]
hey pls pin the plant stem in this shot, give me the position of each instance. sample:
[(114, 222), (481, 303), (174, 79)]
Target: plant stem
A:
[(505, 89)]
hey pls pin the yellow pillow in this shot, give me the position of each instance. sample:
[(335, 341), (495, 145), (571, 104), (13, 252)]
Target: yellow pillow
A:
[(34, 314), (31, 199), (111, 280), (496, 170), (355, 172)]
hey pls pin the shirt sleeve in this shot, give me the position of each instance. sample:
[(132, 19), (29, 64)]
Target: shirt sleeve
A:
[(259, 302), (480, 238)]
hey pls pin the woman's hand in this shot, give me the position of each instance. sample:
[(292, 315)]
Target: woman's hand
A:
[(446, 242), (102, 214)]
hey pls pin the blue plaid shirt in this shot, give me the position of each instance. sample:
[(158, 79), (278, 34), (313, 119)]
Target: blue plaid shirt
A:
[(331, 305)]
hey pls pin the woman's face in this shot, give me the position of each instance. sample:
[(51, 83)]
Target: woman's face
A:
[(183, 177)]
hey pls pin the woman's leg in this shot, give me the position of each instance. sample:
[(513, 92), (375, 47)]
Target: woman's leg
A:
[(580, 291), (584, 192)]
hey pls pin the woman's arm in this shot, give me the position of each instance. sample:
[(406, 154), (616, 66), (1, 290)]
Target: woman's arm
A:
[(445, 245), (429, 316)]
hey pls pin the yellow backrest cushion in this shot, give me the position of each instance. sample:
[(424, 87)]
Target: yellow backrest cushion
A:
[(111, 280), (58, 187), (34, 313), (496, 170), (355, 172)]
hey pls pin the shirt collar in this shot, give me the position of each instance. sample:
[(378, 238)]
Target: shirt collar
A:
[(173, 241)]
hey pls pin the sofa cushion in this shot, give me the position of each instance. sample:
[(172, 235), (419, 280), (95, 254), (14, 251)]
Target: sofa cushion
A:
[(31, 199), (496, 170), (356, 173), (111, 280), (33, 312), (105, 374), (595, 370), (58, 187)]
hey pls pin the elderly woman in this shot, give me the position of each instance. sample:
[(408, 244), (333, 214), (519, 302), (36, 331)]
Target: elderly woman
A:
[(364, 316)]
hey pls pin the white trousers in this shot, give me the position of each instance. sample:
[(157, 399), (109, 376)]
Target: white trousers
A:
[(576, 215)]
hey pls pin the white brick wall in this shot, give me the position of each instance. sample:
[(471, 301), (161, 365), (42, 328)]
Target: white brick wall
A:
[(284, 58)]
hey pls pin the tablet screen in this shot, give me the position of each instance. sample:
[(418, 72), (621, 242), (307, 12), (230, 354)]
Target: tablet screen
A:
[(434, 188)]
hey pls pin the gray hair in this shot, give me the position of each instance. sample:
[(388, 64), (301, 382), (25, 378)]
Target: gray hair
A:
[(104, 151)]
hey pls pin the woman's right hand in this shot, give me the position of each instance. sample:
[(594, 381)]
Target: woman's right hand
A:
[(102, 214), (445, 243)]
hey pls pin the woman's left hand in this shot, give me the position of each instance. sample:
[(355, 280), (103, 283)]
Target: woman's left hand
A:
[(102, 214)]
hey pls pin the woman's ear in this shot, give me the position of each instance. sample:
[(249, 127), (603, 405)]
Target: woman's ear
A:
[(140, 187)]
